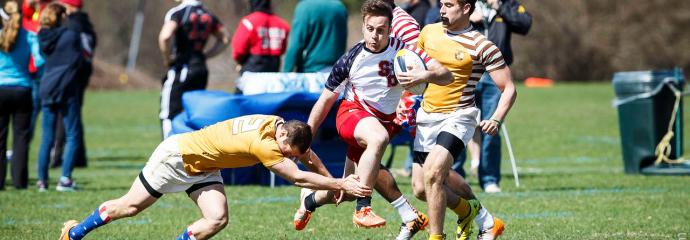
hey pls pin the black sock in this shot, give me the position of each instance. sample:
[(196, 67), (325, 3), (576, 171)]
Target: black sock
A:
[(363, 202), (310, 202)]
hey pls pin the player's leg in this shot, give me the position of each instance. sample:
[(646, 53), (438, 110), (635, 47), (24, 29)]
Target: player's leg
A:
[(136, 200), (439, 196), (171, 99), (211, 200), (412, 220), (373, 137), (455, 186), (452, 137), (474, 148), (311, 200), (436, 169)]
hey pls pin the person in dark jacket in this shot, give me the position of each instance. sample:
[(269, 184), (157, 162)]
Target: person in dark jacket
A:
[(497, 20), (60, 92), (260, 39), (78, 21)]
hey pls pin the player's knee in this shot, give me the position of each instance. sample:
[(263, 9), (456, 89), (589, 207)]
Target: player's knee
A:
[(418, 191), (132, 210), (218, 223), (378, 141), (433, 175)]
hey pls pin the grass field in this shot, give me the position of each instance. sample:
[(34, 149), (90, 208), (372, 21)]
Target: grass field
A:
[(565, 139)]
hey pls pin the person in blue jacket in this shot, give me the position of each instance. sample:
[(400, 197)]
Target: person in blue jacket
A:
[(60, 92), (15, 94)]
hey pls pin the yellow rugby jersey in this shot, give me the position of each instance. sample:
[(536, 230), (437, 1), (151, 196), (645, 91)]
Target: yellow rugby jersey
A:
[(238, 142), (467, 56)]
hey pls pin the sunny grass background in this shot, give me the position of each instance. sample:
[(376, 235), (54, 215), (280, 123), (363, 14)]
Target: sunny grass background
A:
[(566, 140)]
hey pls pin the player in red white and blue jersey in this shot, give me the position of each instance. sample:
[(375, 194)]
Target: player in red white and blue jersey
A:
[(365, 116)]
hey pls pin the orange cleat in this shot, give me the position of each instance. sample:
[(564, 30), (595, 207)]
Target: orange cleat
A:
[(409, 229), (64, 235), (366, 218), (302, 216), (493, 232)]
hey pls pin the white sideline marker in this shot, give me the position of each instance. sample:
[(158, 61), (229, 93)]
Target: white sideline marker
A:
[(512, 157)]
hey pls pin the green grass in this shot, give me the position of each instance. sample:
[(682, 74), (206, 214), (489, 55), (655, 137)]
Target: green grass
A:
[(565, 138)]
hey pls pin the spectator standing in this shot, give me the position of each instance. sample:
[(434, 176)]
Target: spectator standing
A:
[(318, 37), (78, 21), (497, 20), (260, 39), (60, 92), (189, 26), (15, 94)]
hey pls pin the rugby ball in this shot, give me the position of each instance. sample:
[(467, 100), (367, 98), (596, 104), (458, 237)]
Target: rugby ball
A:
[(407, 60)]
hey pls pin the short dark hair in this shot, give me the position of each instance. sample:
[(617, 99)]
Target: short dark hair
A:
[(390, 3), (471, 2), (298, 135), (377, 8)]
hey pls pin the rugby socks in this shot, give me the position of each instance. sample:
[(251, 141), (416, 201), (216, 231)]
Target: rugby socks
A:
[(436, 237), (363, 202), (405, 210), (98, 218), (463, 208), (186, 235), (484, 219), (310, 202)]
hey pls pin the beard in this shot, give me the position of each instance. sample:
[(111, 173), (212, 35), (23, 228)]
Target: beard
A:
[(445, 21)]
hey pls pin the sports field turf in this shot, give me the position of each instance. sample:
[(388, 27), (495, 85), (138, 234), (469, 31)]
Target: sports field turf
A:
[(566, 141)]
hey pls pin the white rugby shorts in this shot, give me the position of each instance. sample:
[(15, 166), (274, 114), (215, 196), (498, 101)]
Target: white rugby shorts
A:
[(164, 172), (460, 123)]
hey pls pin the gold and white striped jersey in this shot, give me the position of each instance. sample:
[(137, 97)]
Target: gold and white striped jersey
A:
[(467, 55)]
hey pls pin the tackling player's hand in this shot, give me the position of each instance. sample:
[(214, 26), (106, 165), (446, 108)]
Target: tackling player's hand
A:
[(490, 126), (338, 197), (351, 185)]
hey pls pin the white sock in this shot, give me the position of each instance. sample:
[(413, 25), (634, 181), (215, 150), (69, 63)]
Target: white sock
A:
[(474, 163), (484, 219), (405, 210)]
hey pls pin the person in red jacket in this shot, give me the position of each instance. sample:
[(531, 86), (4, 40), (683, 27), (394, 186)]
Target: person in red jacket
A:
[(260, 39), (31, 12)]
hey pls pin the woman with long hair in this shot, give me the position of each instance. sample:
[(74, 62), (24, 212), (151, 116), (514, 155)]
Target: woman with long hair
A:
[(59, 93), (15, 94)]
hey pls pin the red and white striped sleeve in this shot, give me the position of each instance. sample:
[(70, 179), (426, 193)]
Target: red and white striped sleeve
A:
[(405, 27)]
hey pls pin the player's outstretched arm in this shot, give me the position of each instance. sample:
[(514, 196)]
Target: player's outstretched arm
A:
[(351, 185), (314, 164), (504, 82), (320, 109)]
